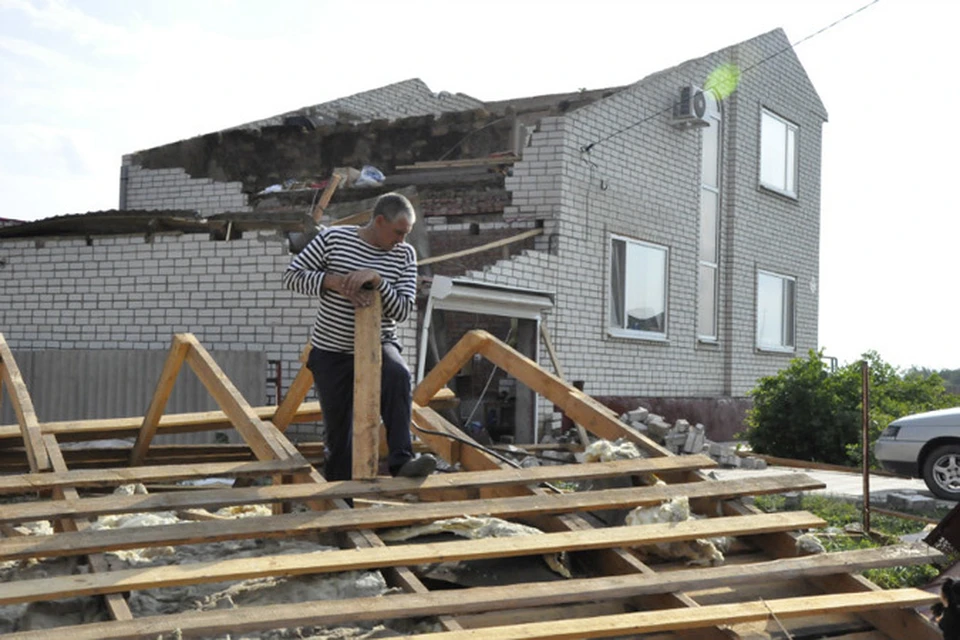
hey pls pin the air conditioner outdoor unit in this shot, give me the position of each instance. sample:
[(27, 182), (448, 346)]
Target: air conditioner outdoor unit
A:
[(691, 109)]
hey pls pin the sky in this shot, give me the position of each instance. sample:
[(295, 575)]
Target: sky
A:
[(84, 82)]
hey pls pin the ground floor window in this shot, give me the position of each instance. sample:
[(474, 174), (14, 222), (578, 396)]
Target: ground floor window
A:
[(638, 288), (776, 311)]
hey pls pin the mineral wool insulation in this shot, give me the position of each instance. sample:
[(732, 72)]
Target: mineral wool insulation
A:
[(226, 595)]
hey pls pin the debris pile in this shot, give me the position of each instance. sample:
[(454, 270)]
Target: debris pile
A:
[(683, 438)]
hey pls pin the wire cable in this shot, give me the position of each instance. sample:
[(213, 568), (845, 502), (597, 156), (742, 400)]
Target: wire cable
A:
[(586, 148)]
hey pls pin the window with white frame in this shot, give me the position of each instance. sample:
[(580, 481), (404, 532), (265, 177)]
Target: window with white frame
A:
[(638, 288), (709, 251), (778, 154), (776, 311)]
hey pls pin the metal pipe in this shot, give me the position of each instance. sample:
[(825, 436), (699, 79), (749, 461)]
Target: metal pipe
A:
[(865, 400)]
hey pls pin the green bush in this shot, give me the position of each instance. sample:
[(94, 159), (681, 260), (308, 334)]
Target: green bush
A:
[(807, 412)]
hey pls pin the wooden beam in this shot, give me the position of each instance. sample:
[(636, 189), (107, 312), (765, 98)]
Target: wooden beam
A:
[(548, 343), (902, 623), (302, 383), (381, 486), (116, 603), (257, 434), (449, 365), (23, 407), (696, 618), (30, 482), (106, 428), (325, 197), (401, 555), (480, 599), (168, 376), (481, 248), (581, 408), (367, 363), (464, 162), (302, 523), (361, 217)]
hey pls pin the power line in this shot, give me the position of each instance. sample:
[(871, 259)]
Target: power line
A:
[(789, 47)]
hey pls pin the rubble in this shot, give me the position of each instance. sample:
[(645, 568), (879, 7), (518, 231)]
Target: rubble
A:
[(683, 438)]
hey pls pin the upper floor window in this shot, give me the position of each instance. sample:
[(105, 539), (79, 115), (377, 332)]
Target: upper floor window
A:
[(776, 312), (709, 250), (638, 289), (778, 154)]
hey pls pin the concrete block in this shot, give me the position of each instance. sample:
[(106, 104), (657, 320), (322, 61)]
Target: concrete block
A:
[(681, 426), (694, 440), (638, 415), (658, 428)]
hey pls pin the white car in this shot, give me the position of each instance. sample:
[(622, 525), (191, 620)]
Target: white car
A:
[(924, 445)]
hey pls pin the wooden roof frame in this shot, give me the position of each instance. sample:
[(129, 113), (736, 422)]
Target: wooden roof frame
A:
[(486, 486)]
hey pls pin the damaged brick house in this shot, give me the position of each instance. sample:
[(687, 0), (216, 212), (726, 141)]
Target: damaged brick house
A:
[(671, 239)]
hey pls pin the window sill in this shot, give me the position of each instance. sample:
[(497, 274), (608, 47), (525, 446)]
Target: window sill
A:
[(637, 336), (711, 344), (778, 192), (777, 350)]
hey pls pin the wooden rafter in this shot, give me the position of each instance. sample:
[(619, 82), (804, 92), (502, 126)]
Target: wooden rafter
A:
[(116, 603), (23, 407)]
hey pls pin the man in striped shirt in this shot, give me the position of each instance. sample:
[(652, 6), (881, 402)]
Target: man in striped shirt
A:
[(342, 267)]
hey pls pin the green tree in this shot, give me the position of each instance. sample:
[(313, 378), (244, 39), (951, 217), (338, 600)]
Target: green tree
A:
[(809, 413)]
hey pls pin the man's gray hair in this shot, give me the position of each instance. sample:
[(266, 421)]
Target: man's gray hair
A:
[(392, 206)]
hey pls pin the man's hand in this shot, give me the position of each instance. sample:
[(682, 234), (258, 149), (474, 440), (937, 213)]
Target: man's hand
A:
[(352, 286)]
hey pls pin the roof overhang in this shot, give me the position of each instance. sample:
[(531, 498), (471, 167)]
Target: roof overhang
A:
[(471, 296)]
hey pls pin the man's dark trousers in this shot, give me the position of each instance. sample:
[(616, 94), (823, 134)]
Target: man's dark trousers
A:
[(333, 379)]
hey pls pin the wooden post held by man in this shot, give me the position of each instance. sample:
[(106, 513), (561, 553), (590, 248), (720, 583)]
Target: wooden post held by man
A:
[(367, 359)]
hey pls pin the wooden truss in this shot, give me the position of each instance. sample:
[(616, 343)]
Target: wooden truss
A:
[(766, 588)]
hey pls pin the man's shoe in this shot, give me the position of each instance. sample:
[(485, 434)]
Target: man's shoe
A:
[(419, 467)]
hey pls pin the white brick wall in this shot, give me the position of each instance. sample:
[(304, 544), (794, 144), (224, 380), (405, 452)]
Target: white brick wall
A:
[(645, 184), (166, 189)]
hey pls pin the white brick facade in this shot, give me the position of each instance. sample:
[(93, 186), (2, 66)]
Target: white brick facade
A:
[(645, 184)]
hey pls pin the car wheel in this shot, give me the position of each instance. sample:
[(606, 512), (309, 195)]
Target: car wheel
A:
[(941, 471)]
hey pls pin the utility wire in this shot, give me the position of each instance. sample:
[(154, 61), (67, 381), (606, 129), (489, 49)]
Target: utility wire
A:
[(588, 147)]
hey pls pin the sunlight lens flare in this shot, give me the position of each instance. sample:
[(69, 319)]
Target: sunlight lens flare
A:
[(723, 80)]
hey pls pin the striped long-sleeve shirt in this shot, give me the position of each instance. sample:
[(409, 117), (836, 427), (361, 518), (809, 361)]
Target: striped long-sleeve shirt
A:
[(340, 250)]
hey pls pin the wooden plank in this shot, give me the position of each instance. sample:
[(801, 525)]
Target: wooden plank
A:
[(402, 555), (168, 376), (105, 428), (302, 523), (31, 482), (241, 414), (116, 603), (696, 618), (581, 408), (807, 464), (29, 426), (359, 218), (381, 486), (449, 365), (481, 248), (325, 197), (296, 394), (480, 599), (548, 343), (464, 162), (903, 623), (367, 363)]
